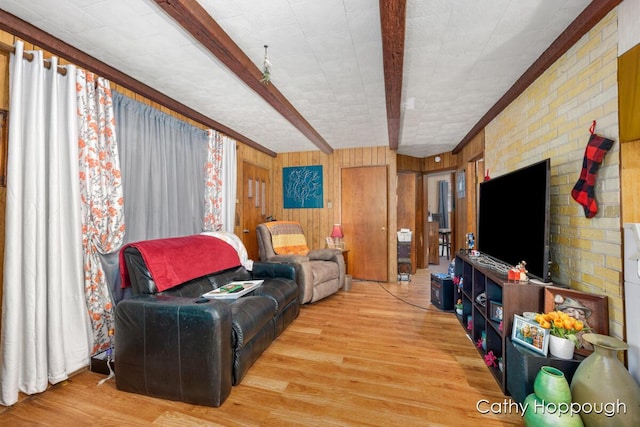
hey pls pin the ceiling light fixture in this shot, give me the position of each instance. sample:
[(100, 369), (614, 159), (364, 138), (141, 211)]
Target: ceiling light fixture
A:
[(266, 71)]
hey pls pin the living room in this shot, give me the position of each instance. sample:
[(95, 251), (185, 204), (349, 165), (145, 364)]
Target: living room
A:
[(550, 119)]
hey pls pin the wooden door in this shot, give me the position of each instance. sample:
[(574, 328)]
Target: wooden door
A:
[(255, 205), (364, 221), (407, 213)]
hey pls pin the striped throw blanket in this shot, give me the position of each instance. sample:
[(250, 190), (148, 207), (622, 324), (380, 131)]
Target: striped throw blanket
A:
[(287, 238)]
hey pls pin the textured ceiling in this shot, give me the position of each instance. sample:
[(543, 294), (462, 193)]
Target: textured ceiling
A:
[(460, 57)]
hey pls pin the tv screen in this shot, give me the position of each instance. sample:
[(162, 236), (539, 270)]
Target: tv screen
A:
[(513, 218)]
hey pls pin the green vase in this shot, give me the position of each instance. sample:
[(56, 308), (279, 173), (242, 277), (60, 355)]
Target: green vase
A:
[(602, 381), (544, 414), (550, 385), (550, 402)]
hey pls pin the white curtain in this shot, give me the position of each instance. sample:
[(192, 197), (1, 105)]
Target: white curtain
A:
[(45, 326), (229, 180)]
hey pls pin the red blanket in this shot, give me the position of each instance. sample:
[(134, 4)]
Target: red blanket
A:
[(177, 260)]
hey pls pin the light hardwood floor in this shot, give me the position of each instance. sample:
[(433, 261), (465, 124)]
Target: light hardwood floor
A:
[(378, 355)]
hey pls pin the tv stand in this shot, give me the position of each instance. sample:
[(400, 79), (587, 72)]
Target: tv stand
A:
[(515, 298)]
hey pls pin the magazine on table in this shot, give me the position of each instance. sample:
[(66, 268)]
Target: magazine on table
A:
[(233, 290)]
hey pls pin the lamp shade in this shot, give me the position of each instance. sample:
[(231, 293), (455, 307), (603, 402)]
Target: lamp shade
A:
[(336, 233)]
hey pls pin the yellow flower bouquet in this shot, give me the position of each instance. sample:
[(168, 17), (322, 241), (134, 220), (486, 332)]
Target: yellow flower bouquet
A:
[(562, 325)]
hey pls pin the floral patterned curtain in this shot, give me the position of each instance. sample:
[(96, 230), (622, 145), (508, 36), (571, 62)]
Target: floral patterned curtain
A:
[(103, 225), (213, 188)]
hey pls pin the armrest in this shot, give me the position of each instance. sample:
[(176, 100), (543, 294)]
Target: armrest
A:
[(289, 258), (327, 254), (263, 270), (174, 348)]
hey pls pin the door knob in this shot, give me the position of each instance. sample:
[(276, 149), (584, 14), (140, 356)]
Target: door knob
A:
[(384, 229), (245, 231)]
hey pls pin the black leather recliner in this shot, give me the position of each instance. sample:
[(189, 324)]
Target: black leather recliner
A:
[(172, 345)]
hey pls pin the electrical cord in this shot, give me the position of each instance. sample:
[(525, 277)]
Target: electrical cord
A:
[(111, 373), (402, 299)]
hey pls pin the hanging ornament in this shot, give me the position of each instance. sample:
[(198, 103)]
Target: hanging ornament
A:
[(266, 71)]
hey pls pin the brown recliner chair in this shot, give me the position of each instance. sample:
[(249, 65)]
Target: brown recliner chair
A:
[(319, 272)]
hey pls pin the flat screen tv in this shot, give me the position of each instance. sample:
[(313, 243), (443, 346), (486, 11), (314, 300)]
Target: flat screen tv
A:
[(514, 219)]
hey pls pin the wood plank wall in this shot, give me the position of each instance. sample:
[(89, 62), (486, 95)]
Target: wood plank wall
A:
[(629, 112), (410, 164), (448, 161), (466, 214), (629, 179), (317, 223)]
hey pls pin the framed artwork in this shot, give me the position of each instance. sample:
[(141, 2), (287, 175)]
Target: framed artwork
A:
[(302, 187), (530, 334), (591, 309), (495, 311), (461, 186)]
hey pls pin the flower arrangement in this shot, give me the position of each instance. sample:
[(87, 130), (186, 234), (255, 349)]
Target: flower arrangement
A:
[(562, 325), (459, 307)]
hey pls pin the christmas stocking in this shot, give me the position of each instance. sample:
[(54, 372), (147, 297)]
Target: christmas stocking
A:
[(583, 191)]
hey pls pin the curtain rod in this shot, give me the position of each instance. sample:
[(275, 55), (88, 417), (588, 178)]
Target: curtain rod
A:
[(29, 57)]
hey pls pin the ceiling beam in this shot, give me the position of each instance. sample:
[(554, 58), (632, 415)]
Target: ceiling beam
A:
[(196, 21), (392, 23), (46, 41), (590, 16)]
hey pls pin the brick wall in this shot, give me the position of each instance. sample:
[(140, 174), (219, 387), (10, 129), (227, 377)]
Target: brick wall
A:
[(551, 119)]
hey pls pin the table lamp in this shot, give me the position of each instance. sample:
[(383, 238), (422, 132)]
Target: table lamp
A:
[(336, 235)]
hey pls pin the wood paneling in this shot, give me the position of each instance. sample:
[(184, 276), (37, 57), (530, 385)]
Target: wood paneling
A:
[(629, 179), (465, 208), (410, 164), (4, 77), (433, 239), (472, 151), (408, 196), (317, 223), (629, 95), (447, 161)]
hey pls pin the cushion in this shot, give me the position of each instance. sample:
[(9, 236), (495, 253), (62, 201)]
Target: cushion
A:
[(287, 238)]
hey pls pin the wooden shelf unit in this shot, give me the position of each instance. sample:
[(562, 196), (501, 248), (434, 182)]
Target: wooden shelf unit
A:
[(515, 297)]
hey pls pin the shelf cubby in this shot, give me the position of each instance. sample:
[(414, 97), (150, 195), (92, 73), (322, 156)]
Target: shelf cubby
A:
[(515, 297)]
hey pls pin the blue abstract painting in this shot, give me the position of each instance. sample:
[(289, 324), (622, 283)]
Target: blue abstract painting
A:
[(302, 187)]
